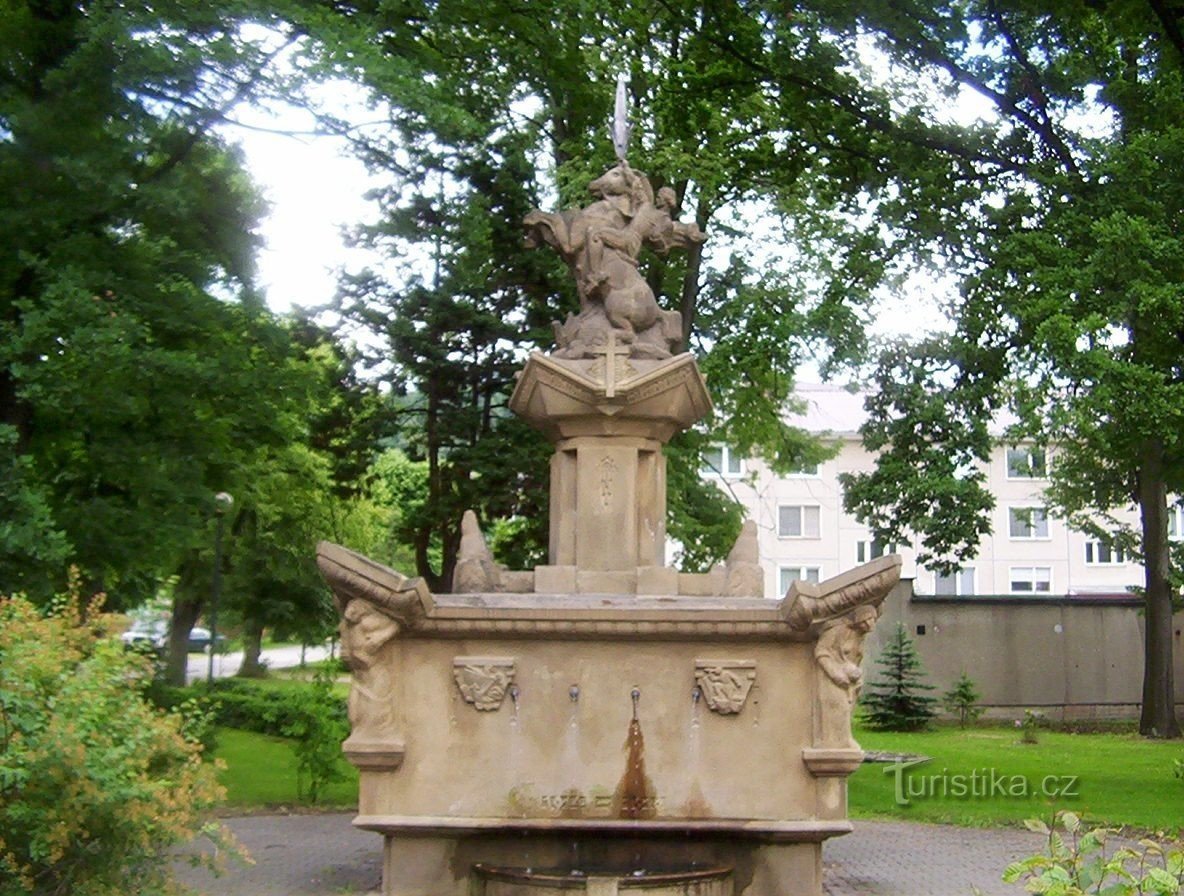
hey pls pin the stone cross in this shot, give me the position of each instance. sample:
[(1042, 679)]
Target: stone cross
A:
[(611, 351)]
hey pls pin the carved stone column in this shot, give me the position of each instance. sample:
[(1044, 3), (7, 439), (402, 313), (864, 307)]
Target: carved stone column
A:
[(608, 419)]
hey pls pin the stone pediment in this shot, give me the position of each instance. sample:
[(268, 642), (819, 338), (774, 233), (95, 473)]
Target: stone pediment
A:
[(611, 396)]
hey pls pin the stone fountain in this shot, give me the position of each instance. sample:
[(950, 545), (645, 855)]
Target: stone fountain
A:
[(604, 722)]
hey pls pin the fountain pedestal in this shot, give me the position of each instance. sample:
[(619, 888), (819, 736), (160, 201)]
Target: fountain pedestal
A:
[(608, 419)]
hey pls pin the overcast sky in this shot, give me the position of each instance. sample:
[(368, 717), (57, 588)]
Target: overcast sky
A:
[(314, 189)]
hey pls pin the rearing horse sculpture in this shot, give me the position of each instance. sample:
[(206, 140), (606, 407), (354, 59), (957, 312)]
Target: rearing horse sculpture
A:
[(601, 244)]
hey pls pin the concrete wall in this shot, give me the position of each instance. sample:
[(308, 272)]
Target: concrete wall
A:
[(1068, 658)]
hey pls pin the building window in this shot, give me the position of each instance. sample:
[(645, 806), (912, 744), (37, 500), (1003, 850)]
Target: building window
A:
[(959, 583), (1176, 522), (870, 550), (1027, 522), (1026, 463), (1098, 553), (805, 471), (787, 575), (798, 521), (1031, 580), (720, 460)]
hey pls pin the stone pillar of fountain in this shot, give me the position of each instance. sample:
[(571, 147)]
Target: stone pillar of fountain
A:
[(608, 473)]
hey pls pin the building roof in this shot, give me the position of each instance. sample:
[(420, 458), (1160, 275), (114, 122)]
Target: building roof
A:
[(839, 410), (829, 409)]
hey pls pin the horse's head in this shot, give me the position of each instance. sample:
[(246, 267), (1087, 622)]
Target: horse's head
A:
[(614, 182)]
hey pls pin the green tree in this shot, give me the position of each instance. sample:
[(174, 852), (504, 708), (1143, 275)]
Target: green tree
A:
[(130, 341), (272, 581), (1071, 313), (962, 699), (895, 702)]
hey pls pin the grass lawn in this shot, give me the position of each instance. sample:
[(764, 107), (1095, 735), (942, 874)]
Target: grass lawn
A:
[(1120, 779), (261, 772)]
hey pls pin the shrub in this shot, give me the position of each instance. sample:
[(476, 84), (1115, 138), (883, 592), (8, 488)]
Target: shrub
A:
[(895, 702), (962, 700), (243, 704), (1030, 726), (318, 726), (96, 784), (1081, 865)]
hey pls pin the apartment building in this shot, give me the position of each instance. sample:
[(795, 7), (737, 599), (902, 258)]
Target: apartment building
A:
[(804, 532)]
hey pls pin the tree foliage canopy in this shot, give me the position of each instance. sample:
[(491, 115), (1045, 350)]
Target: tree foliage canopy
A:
[(1070, 317)]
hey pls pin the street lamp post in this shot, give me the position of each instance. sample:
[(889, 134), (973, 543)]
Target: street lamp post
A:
[(222, 502)]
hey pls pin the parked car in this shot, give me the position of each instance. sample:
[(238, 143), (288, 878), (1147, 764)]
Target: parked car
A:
[(199, 640), (152, 634)]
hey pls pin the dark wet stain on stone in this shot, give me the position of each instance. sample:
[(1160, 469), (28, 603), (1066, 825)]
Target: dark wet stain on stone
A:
[(635, 797)]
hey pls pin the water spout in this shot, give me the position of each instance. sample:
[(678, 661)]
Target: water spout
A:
[(635, 694)]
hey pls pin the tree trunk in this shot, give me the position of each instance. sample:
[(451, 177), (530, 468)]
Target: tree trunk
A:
[(689, 300), (1158, 717), (186, 609), (252, 666)]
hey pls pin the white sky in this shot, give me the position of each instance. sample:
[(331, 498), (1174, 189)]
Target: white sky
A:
[(315, 190)]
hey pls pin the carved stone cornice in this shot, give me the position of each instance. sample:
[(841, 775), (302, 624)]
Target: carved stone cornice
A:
[(832, 762), (799, 616), (653, 399), (808, 607), (352, 576), (373, 756)]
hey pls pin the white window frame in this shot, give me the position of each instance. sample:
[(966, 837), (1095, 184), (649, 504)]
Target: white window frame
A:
[(727, 457), (1012, 572), (1029, 451), (802, 573), (1094, 549), (804, 534), (1176, 521), (1035, 536), (809, 471), (865, 550), (958, 591)]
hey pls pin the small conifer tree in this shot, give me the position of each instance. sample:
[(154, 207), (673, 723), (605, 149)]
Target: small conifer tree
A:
[(897, 702), (962, 700)]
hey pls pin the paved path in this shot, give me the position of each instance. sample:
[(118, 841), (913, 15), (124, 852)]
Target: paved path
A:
[(226, 664), (323, 855)]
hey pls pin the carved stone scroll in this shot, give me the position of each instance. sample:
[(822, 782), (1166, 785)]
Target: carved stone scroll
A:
[(483, 680), (725, 684)]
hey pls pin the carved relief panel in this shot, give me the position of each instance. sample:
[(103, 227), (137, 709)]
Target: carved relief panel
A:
[(483, 680), (725, 684)]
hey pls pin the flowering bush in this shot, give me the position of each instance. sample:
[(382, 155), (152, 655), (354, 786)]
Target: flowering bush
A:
[(96, 785)]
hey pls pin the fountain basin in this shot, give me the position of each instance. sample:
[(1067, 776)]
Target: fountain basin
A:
[(494, 880)]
